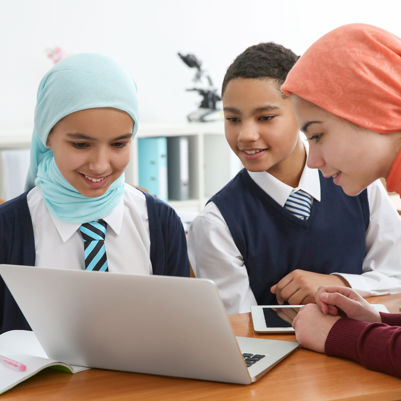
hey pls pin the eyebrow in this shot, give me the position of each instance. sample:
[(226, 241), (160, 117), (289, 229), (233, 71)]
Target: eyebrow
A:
[(79, 135), (257, 110), (306, 126)]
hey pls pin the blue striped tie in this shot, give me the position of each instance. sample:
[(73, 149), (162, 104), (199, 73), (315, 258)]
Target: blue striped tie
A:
[(93, 234), (299, 204)]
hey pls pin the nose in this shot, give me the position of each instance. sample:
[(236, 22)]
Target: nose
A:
[(99, 161), (315, 159), (248, 132)]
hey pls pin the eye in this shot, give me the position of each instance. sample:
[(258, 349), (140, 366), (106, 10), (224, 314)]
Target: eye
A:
[(233, 119), (120, 144), (80, 145), (266, 118), (315, 137)]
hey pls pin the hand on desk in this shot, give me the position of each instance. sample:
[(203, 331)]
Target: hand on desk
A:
[(314, 322), (299, 286)]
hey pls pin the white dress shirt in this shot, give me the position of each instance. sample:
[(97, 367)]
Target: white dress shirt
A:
[(59, 244), (214, 255)]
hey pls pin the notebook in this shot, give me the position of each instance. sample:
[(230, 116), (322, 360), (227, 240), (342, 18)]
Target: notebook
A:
[(22, 347), (161, 325)]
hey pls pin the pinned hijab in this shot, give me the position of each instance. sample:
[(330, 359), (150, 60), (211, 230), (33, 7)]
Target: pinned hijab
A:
[(79, 82), (354, 72)]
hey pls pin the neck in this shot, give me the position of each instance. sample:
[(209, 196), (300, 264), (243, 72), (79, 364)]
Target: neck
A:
[(290, 170), (393, 178)]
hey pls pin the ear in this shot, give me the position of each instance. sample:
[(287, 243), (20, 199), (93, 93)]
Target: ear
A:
[(48, 140)]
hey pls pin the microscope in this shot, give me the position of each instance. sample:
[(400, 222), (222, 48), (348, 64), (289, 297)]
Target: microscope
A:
[(207, 110)]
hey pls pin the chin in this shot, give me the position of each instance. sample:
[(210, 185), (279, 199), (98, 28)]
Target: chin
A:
[(352, 191)]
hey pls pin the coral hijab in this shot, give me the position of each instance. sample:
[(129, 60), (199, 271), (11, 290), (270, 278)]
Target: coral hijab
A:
[(354, 72)]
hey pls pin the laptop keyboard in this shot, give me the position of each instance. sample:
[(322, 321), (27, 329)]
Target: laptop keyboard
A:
[(250, 359)]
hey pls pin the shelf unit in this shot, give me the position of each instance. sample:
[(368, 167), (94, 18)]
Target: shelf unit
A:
[(212, 162)]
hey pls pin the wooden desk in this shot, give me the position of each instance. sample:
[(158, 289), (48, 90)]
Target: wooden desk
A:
[(304, 375)]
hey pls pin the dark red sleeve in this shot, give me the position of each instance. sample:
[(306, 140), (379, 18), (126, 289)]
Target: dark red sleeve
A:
[(394, 319), (376, 346)]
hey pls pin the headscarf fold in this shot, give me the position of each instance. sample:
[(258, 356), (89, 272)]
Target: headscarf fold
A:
[(79, 82), (354, 72)]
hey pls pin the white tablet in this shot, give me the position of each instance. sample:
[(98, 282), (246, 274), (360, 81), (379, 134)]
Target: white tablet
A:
[(273, 318)]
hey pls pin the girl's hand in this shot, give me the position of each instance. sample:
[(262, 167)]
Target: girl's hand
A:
[(336, 300), (312, 327)]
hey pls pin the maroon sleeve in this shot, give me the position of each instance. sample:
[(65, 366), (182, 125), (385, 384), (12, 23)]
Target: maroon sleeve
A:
[(376, 346), (393, 319)]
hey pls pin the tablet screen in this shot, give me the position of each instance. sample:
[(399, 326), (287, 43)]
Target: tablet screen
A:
[(273, 320)]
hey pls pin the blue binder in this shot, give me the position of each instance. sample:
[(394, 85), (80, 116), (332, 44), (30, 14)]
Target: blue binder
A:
[(152, 165)]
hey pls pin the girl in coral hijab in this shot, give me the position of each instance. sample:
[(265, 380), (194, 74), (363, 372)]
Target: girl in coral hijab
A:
[(346, 95)]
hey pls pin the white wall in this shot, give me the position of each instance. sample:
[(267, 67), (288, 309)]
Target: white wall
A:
[(146, 35)]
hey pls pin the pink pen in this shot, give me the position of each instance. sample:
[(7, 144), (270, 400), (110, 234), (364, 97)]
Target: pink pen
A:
[(12, 364)]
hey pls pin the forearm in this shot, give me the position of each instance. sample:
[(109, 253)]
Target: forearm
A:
[(376, 346)]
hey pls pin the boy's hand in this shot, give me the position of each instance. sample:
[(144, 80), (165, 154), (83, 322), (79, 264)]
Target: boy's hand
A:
[(331, 300), (312, 327), (299, 286)]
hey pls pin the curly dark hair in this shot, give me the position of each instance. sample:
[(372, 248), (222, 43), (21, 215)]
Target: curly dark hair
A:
[(265, 60)]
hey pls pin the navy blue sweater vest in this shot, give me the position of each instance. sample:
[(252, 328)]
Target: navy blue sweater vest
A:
[(273, 242), (168, 248)]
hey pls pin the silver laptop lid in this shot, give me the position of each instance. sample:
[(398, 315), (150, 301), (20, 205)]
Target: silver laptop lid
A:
[(163, 325)]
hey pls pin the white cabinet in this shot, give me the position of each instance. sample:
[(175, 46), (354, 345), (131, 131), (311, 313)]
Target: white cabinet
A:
[(211, 163)]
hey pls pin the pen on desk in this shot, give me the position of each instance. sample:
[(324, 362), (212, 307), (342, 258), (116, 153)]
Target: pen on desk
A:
[(12, 364)]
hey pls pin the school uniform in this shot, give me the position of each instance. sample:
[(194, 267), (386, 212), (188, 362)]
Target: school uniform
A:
[(246, 241), (144, 236)]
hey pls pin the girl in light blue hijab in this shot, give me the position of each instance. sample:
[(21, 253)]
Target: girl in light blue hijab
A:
[(84, 81), (78, 213)]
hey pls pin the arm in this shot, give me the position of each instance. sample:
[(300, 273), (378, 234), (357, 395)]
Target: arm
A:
[(376, 346), (177, 263), (213, 255), (168, 247), (381, 266)]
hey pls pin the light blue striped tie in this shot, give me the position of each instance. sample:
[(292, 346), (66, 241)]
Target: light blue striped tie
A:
[(93, 235), (299, 204)]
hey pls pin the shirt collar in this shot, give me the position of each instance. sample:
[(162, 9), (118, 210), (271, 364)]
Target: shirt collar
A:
[(279, 191), (114, 220)]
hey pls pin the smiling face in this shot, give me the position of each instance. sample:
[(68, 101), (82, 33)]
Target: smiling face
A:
[(353, 156), (261, 128), (92, 148)]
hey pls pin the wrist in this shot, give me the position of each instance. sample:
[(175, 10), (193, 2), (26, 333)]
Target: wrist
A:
[(341, 280)]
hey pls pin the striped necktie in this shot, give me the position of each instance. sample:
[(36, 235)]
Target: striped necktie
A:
[(299, 204), (93, 234)]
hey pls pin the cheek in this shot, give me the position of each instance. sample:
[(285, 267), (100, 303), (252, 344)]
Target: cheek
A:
[(67, 160), (231, 136), (121, 159)]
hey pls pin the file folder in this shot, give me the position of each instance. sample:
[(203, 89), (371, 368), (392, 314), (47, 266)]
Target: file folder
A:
[(152, 165)]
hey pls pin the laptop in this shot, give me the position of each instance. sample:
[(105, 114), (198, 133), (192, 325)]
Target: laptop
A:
[(162, 325)]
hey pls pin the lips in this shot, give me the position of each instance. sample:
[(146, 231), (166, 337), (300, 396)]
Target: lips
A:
[(254, 151), (336, 176), (96, 182), (92, 179)]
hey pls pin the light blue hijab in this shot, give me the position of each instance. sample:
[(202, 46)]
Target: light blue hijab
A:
[(79, 82)]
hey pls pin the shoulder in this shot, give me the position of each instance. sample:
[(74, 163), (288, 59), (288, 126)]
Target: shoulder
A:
[(238, 187), (376, 192), (14, 206), (210, 215), (133, 194)]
